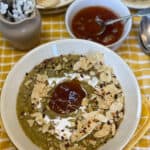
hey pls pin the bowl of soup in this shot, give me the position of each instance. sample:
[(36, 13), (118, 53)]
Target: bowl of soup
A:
[(81, 21), (76, 98)]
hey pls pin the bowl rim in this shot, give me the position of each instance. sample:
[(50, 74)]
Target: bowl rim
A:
[(4, 90), (124, 34)]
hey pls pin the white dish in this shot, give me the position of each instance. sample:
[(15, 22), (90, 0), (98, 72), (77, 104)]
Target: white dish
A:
[(137, 4), (73, 46), (116, 6), (62, 3), (53, 11)]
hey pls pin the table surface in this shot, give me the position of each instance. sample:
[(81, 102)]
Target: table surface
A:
[(53, 28)]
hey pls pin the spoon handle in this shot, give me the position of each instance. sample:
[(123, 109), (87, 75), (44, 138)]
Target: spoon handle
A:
[(109, 22), (143, 12)]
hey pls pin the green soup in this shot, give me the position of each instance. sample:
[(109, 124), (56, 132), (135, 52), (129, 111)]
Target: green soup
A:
[(70, 102)]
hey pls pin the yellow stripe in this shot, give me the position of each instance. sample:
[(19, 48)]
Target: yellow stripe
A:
[(3, 76), (146, 91), (46, 34), (139, 66), (45, 40), (10, 51), (5, 145), (19, 52), (6, 68), (55, 34), (56, 26), (3, 135), (136, 19), (1, 42), (143, 143), (136, 57), (6, 59), (133, 33), (65, 34), (64, 27), (131, 41), (143, 72), (144, 82), (45, 27), (129, 48), (16, 58), (148, 132), (45, 19)]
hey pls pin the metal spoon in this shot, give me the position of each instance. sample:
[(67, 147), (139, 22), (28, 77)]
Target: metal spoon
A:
[(104, 24), (144, 34), (142, 45)]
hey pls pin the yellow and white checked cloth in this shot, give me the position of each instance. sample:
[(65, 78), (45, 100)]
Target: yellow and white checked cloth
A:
[(53, 28)]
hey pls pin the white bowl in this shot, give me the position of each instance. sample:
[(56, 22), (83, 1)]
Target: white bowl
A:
[(72, 46), (116, 6)]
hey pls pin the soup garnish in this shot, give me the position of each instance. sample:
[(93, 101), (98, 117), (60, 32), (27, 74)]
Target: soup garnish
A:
[(67, 97), (70, 102)]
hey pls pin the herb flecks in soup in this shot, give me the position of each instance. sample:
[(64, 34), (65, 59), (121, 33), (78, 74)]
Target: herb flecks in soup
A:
[(84, 25), (70, 102)]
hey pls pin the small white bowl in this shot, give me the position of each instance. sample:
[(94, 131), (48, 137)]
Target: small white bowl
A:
[(116, 6)]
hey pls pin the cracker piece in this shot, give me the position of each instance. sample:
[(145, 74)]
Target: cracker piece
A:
[(95, 115), (30, 122), (103, 132), (38, 117), (95, 58), (113, 129), (83, 63), (116, 106)]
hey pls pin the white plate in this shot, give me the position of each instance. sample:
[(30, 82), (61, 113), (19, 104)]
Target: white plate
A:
[(62, 3), (137, 4), (53, 11), (73, 46)]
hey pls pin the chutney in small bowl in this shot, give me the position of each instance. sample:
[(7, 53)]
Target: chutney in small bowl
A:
[(81, 22)]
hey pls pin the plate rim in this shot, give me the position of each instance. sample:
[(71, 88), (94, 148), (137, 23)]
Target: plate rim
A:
[(53, 12), (134, 5), (3, 93), (59, 5)]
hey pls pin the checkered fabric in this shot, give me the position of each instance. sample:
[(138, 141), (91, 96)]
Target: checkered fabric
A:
[(53, 28)]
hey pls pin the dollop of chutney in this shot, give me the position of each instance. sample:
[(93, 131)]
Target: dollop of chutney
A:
[(67, 97)]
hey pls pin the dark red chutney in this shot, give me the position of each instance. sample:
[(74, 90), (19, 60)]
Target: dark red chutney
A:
[(84, 25), (67, 97)]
